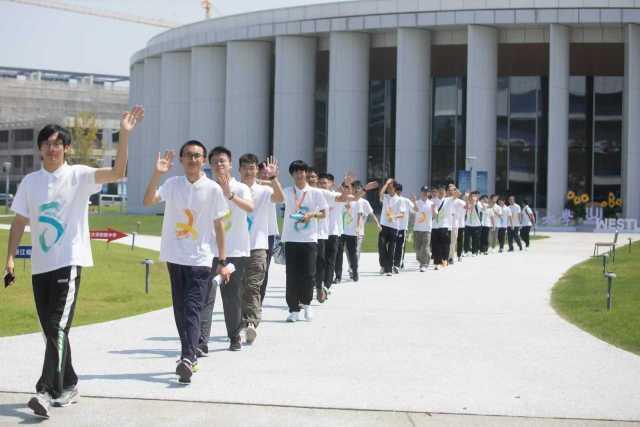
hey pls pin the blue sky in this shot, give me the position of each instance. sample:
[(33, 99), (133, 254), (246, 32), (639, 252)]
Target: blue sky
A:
[(34, 37)]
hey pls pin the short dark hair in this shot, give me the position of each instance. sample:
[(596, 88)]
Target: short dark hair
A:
[(197, 144), (262, 165), (397, 186), (51, 129), (325, 175), (311, 169), (219, 150), (248, 159), (298, 165), (356, 185), (525, 202)]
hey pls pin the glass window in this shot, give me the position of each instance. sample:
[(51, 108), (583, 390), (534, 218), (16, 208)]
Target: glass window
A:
[(4, 136), (27, 163), (321, 127), (381, 145)]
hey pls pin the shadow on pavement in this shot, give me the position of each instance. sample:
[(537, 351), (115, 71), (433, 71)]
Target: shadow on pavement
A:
[(13, 410), (168, 378), (149, 351)]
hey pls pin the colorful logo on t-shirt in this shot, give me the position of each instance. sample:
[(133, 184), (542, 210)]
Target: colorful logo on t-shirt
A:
[(298, 217), (422, 218), (250, 222), (227, 220), (184, 230), (49, 215), (390, 215), (347, 215)]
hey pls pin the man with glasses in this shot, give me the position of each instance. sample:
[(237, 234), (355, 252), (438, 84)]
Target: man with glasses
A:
[(54, 202)]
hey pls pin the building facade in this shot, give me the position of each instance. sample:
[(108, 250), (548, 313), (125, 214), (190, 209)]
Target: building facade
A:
[(532, 97)]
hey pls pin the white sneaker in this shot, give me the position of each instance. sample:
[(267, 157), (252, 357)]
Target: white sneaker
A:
[(382, 271), (308, 313), (293, 317), (422, 269), (66, 398)]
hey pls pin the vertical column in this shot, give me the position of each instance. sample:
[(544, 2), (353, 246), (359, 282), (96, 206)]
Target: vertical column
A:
[(175, 101), (413, 112), (348, 104), (558, 169), (208, 86), (294, 105), (135, 180), (482, 84), (631, 136), (248, 97)]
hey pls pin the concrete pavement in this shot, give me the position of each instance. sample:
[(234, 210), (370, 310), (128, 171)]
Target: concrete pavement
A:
[(477, 338)]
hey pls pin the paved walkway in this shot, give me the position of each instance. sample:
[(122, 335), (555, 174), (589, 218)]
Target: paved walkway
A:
[(477, 338)]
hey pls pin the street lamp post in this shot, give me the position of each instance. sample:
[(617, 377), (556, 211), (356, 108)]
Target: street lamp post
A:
[(7, 169)]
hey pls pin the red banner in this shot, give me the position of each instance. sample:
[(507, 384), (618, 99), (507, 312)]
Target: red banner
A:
[(109, 234)]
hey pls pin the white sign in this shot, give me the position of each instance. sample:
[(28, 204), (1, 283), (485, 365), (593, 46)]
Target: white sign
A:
[(619, 224)]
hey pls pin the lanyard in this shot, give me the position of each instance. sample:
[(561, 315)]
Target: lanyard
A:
[(297, 201)]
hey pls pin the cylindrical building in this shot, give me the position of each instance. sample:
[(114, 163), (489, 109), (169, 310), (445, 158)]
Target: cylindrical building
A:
[(532, 97)]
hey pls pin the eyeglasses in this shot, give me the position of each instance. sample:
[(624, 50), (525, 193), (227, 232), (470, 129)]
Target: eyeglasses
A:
[(55, 144), (194, 156)]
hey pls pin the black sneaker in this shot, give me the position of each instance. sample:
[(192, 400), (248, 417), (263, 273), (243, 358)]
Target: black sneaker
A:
[(355, 277), (184, 371), (396, 270), (39, 404), (236, 344), (202, 351)]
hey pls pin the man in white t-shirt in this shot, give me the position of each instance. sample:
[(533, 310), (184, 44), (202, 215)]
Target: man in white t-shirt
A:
[(54, 201), (473, 224), (503, 222), (403, 226), (258, 221), (365, 212), (458, 227), (392, 211), (238, 246), (487, 224), (528, 221), (441, 228), (493, 232), (194, 207), (273, 229), (424, 210), (513, 229), (304, 205)]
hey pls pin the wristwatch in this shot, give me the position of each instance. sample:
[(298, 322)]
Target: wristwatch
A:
[(232, 195), (222, 262)]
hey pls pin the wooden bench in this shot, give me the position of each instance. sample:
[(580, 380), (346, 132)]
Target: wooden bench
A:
[(610, 245)]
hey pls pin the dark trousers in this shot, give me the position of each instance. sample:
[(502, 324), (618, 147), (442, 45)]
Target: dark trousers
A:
[(387, 247), (472, 239), (398, 258), (231, 293), (501, 235), (263, 288), (339, 258), (524, 234), (189, 286), (440, 243), (484, 239), (350, 244), (55, 294), (321, 263), (331, 269), (301, 272), (513, 233), (460, 242)]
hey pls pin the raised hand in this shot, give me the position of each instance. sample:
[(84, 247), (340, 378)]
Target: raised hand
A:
[(224, 184), (349, 178), (272, 167), (371, 186), (131, 118), (413, 199), (165, 162)]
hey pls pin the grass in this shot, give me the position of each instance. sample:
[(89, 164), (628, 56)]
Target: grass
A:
[(112, 289), (580, 296)]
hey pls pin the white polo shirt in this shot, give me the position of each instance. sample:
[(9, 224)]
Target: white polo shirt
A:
[(187, 227), (298, 202), (473, 215), (391, 206), (408, 208), (444, 215), (527, 213), (505, 214), (424, 216), (273, 220), (459, 213), (258, 220), (237, 240), (487, 216), (515, 211), (57, 205)]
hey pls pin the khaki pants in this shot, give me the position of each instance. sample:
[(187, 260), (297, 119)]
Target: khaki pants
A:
[(422, 241), (493, 237), (256, 269), (454, 243)]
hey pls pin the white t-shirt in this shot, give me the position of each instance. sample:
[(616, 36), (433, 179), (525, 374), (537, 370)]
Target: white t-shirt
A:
[(258, 220), (488, 215), (473, 215), (424, 216), (527, 213), (187, 228), (365, 210), (515, 215), (504, 215), (299, 202), (408, 208), (391, 206), (57, 205), (323, 223), (273, 220), (444, 215), (350, 217), (237, 240), (459, 213)]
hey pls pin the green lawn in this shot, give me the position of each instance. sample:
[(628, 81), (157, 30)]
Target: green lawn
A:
[(112, 289), (580, 297)]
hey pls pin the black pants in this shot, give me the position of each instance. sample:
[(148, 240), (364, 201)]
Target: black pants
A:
[(387, 247), (231, 293), (460, 242), (321, 263), (398, 258), (263, 288), (350, 244), (331, 269), (189, 287), (301, 272), (513, 233), (55, 294), (524, 233), (440, 244), (484, 239), (472, 239), (501, 235)]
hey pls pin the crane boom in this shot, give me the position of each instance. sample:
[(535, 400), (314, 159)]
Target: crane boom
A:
[(59, 5)]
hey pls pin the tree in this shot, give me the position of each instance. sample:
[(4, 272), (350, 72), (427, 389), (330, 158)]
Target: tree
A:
[(84, 134)]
